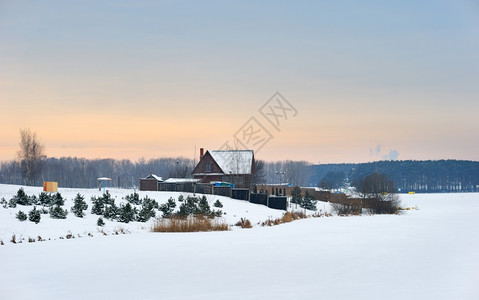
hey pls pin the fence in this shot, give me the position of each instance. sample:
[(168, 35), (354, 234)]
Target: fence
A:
[(274, 202)]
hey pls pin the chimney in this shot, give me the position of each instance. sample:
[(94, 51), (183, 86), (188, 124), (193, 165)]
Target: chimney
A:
[(202, 152)]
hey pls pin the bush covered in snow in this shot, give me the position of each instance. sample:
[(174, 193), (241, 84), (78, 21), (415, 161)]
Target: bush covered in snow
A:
[(168, 207), (57, 212), (133, 198), (79, 205), (34, 215), (21, 216)]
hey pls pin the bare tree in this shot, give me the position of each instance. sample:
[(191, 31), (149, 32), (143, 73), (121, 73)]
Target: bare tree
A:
[(379, 192), (259, 176), (31, 155)]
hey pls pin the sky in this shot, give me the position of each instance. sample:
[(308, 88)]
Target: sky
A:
[(320, 81)]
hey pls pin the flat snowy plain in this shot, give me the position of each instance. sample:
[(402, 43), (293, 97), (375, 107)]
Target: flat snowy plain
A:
[(429, 253)]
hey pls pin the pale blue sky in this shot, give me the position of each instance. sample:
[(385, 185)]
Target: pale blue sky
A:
[(94, 74)]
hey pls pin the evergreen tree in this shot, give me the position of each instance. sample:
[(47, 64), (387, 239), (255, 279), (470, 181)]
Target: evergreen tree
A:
[(203, 206), (218, 204), (79, 205), (21, 216), (100, 222), (4, 203), (126, 213), (45, 199), (58, 199), (34, 215), (111, 211), (21, 198), (98, 207), (296, 196), (107, 199), (133, 198), (56, 212), (168, 207), (147, 210), (188, 207), (308, 202)]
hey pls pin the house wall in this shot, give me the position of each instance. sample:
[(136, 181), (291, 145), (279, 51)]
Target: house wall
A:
[(201, 166), (148, 184)]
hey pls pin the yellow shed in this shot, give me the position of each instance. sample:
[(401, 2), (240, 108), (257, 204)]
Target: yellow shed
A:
[(50, 186)]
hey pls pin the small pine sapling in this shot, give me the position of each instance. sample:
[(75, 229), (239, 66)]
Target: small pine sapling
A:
[(203, 206), (21, 215), (98, 206), (79, 205), (34, 215), (168, 207), (58, 199), (127, 213), (218, 204), (100, 222), (133, 198), (57, 212)]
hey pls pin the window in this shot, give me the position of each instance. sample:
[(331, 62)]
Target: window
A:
[(208, 167)]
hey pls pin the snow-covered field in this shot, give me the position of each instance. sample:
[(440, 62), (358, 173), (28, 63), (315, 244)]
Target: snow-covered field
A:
[(430, 253)]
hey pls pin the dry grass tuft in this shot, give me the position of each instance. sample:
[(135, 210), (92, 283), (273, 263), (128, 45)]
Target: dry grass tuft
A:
[(195, 223), (244, 223), (286, 218)]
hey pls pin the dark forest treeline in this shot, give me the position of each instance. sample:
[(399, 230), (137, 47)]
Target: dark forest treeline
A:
[(409, 175), (83, 173)]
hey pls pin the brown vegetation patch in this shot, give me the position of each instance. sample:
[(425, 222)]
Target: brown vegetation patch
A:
[(195, 223)]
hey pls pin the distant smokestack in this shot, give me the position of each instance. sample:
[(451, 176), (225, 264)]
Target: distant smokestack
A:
[(202, 152)]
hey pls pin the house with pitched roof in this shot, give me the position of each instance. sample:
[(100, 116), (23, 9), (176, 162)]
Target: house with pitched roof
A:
[(233, 166)]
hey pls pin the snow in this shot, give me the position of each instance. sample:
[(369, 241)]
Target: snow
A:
[(234, 161), (181, 180), (429, 253)]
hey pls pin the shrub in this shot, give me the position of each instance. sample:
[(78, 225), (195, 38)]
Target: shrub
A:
[(58, 199), (111, 211), (98, 206), (168, 207), (21, 198), (219, 204), (79, 205), (344, 205), (34, 215), (108, 199), (147, 210), (12, 203), (4, 203), (57, 212), (21, 216), (188, 207), (387, 204), (195, 223), (45, 199), (133, 198), (126, 213), (244, 223), (203, 206), (286, 218), (100, 222)]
